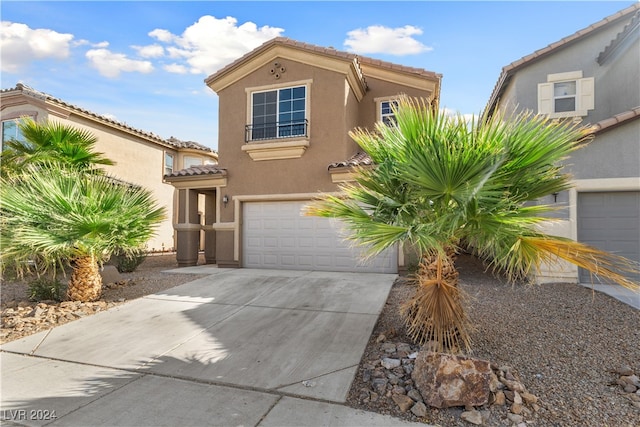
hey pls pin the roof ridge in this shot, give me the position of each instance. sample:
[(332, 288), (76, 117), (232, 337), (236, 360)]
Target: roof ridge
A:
[(632, 25), (322, 50), (507, 69), (30, 91)]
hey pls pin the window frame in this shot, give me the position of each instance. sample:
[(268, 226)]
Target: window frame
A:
[(15, 118), (584, 96), (191, 161), (388, 118), (278, 131), (173, 160)]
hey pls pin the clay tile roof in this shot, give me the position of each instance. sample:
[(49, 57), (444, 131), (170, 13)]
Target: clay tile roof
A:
[(187, 144), (322, 50), (508, 70), (616, 120), (358, 159), (632, 27), (200, 170), (174, 142)]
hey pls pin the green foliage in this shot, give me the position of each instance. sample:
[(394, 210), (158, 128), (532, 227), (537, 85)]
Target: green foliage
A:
[(127, 263), (45, 288), (51, 143), (442, 180), (61, 214)]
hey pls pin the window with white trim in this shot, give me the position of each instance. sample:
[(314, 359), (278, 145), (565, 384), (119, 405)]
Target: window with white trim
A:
[(566, 95), (168, 163), (279, 113), (11, 130), (191, 161), (385, 110), (387, 114)]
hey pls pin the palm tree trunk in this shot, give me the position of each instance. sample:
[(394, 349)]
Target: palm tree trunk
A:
[(436, 313), (86, 282)]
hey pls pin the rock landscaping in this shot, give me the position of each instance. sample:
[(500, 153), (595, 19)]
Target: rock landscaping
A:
[(559, 355), (553, 355)]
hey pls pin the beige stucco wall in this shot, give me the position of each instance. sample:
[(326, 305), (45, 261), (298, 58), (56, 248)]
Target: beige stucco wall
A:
[(333, 110), (137, 161), (328, 141)]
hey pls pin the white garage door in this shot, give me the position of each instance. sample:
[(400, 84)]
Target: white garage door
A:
[(610, 221), (277, 235)]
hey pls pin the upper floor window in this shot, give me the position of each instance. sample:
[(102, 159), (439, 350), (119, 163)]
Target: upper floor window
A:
[(566, 95), (387, 114), (11, 130), (385, 107), (191, 161), (168, 163), (279, 113)]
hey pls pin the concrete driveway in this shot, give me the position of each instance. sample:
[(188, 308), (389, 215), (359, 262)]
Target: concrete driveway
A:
[(239, 347)]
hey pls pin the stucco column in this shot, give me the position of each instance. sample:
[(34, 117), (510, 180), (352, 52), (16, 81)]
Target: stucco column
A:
[(209, 232), (188, 228)]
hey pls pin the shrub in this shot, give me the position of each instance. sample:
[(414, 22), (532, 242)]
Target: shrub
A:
[(129, 263), (46, 288)]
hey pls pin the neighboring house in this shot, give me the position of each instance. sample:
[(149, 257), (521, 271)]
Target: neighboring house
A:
[(140, 157), (285, 112), (592, 78)]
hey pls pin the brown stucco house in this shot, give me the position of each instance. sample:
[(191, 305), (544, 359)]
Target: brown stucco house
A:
[(140, 157), (285, 112)]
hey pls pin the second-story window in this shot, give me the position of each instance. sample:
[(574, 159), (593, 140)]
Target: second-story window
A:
[(387, 115), (191, 161), (168, 163), (566, 95), (11, 130), (279, 113)]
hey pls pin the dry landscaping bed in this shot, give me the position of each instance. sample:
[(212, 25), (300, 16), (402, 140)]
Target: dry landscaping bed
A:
[(574, 352)]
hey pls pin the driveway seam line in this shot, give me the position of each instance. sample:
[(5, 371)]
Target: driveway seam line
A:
[(273, 392), (268, 411), (315, 377)]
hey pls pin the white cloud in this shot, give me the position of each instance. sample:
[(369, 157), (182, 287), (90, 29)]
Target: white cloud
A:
[(150, 51), (111, 64), (212, 43), (20, 45), (378, 39), (176, 68)]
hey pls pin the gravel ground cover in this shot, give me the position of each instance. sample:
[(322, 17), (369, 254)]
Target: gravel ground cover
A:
[(567, 344)]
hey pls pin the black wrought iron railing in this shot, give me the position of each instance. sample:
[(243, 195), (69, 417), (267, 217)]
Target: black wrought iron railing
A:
[(276, 130)]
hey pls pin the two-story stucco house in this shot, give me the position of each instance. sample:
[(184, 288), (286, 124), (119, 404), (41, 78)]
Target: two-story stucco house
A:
[(140, 157), (285, 112), (591, 77)]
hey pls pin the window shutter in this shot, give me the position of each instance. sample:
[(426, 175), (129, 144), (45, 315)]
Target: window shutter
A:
[(586, 93), (545, 98)]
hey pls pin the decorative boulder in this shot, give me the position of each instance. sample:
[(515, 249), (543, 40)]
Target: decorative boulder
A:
[(446, 380)]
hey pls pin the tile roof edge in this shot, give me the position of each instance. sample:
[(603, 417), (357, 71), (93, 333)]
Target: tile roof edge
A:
[(34, 93), (616, 120), (508, 69), (285, 41)]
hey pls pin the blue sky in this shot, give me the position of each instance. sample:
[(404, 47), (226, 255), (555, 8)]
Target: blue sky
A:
[(144, 63)]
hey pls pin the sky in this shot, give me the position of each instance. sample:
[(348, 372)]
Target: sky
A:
[(144, 63)]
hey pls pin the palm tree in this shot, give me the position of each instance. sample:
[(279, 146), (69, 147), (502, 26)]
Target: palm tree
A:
[(51, 142), (59, 214), (443, 183)]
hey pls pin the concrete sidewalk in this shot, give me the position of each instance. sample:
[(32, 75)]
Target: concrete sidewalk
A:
[(239, 347)]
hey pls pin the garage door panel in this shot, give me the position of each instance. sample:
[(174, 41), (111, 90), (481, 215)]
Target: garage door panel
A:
[(277, 235), (610, 221)]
